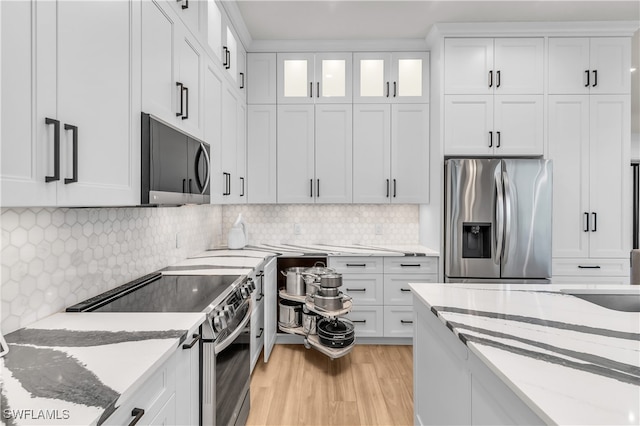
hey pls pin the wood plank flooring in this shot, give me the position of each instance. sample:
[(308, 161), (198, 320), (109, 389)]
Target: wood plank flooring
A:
[(373, 385)]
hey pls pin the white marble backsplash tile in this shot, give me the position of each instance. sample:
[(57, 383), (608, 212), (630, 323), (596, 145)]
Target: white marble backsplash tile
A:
[(54, 257), (326, 223)]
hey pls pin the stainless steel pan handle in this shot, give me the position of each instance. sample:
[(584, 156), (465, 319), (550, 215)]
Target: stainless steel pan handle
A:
[(499, 223)]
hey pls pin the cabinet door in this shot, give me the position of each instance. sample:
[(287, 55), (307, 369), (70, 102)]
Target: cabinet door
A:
[(96, 93), (371, 153), (410, 77), (27, 154), (610, 176), (214, 29), (257, 334), (332, 78), (518, 66), (261, 159), (189, 12), (568, 65), (230, 49), (187, 395), (240, 194), (569, 150), (295, 78), (190, 66), (410, 153), (372, 75), (270, 307), (610, 57), (468, 125), (467, 66), (242, 70), (212, 128), (229, 152), (333, 153), (295, 154), (518, 125), (261, 70)]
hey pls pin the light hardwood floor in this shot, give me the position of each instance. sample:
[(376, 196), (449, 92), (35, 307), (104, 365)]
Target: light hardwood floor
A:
[(373, 385)]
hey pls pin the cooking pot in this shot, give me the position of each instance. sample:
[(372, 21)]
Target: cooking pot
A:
[(290, 314), (328, 291), (328, 303), (338, 333), (331, 280), (309, 321), (295, 281), (312, 276)]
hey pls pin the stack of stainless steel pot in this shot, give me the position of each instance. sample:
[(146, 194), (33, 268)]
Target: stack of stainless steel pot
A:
[(327, 295)]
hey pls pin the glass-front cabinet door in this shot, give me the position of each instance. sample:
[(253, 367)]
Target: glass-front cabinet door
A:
[(391, 77), (307, 78)]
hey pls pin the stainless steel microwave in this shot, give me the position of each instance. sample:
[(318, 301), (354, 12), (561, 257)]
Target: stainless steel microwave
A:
[(175, 166)]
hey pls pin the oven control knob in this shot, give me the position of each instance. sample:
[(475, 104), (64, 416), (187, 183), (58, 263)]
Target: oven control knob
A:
[(251, 284), (245, 292), (228, 312), (219, 322)]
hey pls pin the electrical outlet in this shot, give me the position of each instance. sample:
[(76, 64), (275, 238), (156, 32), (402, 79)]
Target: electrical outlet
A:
[(378, 229), (297, 228)]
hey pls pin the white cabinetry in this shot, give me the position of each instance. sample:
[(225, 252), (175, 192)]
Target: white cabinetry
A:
[(233, 151), (401, 77), (494, 87), (597, 65), (172, 68), (52, 93), (262, 68), (589, 145), (270, 291), (390, 153), (307, 78), (314, 153)]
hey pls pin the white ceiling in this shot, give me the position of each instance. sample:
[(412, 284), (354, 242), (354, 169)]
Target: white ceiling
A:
[(399, 19)]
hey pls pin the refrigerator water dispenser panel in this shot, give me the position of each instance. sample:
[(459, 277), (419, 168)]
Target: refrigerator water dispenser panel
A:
[(476, 240)]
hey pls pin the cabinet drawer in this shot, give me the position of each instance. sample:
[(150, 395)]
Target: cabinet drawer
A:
[(398, 321), (567, 279), (152, 397), (365, 289), (410, 265), (368, 321), (347, 265), (591, 267), (396, 287)]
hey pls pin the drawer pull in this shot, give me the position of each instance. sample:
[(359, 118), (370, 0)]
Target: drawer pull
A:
[(260, 298), (359, 321), (196, 338), (137, 414), (260, 334), (356, 265), (589, 266), (408, 265), (405, 289), (406, 321), (356, 289)]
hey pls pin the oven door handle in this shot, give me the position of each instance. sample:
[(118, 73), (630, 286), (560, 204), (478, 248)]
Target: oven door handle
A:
[(219, 347)]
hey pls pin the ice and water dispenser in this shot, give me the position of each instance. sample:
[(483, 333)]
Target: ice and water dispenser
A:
[(476, 240)]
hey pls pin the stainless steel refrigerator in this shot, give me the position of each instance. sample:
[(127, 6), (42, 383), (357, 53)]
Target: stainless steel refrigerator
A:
[(498, 220)]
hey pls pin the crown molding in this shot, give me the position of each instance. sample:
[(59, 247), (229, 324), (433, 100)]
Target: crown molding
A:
[(504, 29), (237, 22), (395, 45)]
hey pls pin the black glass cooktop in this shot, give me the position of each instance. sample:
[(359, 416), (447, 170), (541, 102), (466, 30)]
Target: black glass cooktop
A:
[(160, 293)]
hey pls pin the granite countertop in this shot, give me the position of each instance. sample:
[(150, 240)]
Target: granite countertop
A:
[(569, 360), (81, 366)]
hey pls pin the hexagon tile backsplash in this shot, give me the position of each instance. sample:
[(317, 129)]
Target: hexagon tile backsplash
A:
[(55, 257)]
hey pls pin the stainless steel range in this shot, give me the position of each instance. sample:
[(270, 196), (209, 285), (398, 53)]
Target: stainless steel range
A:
[(225, 352)]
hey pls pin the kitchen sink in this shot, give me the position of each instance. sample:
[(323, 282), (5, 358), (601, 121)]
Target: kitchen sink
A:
[(625, 300)]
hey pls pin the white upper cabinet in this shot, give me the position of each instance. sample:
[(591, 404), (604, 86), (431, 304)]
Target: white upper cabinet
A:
[(233, 150), (599, 65), (214, 30), (190, 12), (262, 68), (213, 83), (261, 154), (307, 78), (391, 77), (477, 66), (59, 142), (296, 153)]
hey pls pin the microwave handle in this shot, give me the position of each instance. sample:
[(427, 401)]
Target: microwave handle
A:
[(207, 173)]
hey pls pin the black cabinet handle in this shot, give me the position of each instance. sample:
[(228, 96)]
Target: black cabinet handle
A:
[(181, 89), (395, 188), (242, 193), (395, 89), (186, 91), (317, 188), (595, 222), (586, 222), (311, 89), (490, 139), (56, 150), (227, 183), (228, 65), (491, 78), (405, 289), (497, 79), (410, 265), (242, 77), (589, 266), (387, 188), (74, 158), (226, 56), (498, 144), (311, 188), (595, 78), (356, 289), (137, 414), (387, 89), (356, 265), (406, 321), (359, 321), (260, 334), (317, 89), (196, 339), (587, 73), (189, 187), (185, 5)]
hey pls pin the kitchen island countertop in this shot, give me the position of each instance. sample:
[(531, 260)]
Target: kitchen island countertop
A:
[(77, 368), (569, 360)]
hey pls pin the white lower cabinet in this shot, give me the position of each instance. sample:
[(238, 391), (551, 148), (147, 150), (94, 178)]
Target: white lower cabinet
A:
[(270, 291), (257, 331), (367, 320)]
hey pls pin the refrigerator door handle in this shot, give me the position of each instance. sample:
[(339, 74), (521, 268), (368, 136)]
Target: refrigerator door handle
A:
[(499, 222), (507, 214)]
